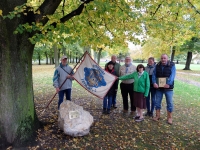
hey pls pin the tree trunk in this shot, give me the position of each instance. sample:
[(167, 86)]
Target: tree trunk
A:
[(55, 55), (64, 51), (46, 55), (39, 59), (99, 55), (76, 57), (188, 61), (173, 53), (18, 119)]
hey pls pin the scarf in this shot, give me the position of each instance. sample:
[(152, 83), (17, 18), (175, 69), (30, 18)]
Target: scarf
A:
[(127, 65), (140, 74)]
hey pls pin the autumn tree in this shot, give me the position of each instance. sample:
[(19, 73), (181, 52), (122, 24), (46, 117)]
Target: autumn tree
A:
[(24, 23)]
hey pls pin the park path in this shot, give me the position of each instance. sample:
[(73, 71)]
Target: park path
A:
[(189, 81), (194, 74)]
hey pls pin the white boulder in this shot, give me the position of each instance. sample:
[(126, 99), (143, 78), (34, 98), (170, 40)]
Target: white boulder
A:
[(73, 120)]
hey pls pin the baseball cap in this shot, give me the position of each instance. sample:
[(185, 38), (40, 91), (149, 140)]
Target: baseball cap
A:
[(63, 57)]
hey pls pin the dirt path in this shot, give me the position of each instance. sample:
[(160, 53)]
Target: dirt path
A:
[(194, 74), (192, 82)]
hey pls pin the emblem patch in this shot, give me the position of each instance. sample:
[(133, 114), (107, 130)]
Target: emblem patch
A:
[(94, 78)]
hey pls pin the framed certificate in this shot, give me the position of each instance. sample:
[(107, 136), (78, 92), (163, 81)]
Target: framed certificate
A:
[(73, 114), (161, 82)]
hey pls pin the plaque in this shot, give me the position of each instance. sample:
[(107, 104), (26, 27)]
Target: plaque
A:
[(161, 82), (73, 114)]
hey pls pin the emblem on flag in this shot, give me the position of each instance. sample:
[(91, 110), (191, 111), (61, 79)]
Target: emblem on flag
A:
[(93, 78)]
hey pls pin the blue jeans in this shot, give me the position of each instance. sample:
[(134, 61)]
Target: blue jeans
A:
[(67, 93), (169, 99), (113, 102), (152, 92), (107, 101)]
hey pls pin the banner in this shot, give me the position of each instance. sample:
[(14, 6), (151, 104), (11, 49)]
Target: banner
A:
[(93, 78)]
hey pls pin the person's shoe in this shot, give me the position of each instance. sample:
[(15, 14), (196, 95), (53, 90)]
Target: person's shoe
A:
[(157, 117), (114, 106), (104, 111), (124, 111), (147, 113), (108, 111), (150, 114), (136, 117), (139, 119), (132, 113)]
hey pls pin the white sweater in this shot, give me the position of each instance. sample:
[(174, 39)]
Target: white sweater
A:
[(122, 72)]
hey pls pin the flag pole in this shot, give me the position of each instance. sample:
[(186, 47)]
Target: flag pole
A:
[(62, 84)]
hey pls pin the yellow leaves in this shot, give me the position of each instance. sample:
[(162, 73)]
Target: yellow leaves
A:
[(96, 135), (1, 12)]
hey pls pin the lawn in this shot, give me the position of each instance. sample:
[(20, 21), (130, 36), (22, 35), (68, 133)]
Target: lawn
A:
[(117, 131)]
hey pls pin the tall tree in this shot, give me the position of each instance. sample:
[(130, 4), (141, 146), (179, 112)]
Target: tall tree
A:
[(23, 23), (18, 119)]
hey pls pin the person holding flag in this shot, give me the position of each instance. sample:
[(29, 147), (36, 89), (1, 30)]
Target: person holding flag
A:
[(62, 72), (116, 68), (107, 101)]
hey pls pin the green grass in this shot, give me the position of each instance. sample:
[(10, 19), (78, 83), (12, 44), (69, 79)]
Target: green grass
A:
[(118, 131)]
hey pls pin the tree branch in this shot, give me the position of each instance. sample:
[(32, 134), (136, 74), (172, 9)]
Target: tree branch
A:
[(156, 9), (197, 11), (48, 7), (75, 12)]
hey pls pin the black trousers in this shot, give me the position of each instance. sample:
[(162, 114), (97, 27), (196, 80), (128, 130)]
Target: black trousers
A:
[(127, 89)]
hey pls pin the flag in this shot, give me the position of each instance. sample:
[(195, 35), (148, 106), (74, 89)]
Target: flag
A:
[(93, 78)]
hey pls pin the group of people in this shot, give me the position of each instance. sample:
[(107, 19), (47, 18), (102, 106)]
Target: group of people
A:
[(145, 86)]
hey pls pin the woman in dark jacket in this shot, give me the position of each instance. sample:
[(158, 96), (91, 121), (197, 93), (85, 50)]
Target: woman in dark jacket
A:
[(107, 101)]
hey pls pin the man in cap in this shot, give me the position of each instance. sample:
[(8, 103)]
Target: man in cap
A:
[(62, 72)]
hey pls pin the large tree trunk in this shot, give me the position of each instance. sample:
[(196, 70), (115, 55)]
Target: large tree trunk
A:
[(173, 48), (188, 61), (17, 113)]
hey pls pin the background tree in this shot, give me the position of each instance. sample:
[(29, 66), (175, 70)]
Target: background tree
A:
[(190, 47)]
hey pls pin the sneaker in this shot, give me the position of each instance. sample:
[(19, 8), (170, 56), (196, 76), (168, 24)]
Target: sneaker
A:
[(147, 113), (104, 111), (114, 106), (132, 113), (136, 117), (150, 114), (125, 111), (139, 119), (108, 111)]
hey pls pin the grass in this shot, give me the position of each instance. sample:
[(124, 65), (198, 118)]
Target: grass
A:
[(118, 131)]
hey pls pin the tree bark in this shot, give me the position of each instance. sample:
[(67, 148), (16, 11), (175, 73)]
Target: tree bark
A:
[(188, 61), (18, 118)]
